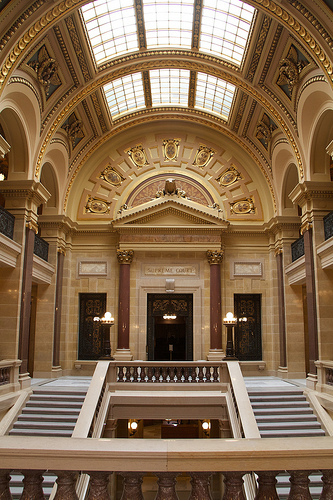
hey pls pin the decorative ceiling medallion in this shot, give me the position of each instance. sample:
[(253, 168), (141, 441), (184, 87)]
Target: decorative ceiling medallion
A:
[(203, 156), (245, 206), (171, 149), (230, 176), (97, 206), (110, 175), (289, 70), (46, 69), (138, 156)]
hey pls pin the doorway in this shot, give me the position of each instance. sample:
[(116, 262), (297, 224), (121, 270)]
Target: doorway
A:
[(248, 333), (170, 327)]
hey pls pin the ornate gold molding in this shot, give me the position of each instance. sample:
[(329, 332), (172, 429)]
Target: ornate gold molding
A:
[(214, 256), (125, 256), (31, 224), (306, 226)]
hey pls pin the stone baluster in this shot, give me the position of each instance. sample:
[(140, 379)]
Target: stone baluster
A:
[(164, 372), (194, 373), (166, 486), (120, 374), (150, 373), (327, 478), (65, 486), (135, 374), (173, 374), (216, 373), (299, 489), (200, 482), (200, 373), (233, 486), (267, 482), (128, 374), (132, 486), (99, 486), (5, 493), (32, 485), (186, 374)]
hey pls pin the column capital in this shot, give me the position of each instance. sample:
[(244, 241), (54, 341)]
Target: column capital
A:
[(125, 256), (306, 226), (214, 256)]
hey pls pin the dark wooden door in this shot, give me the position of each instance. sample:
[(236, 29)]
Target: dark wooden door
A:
[(178, 333), (90, 331), (248, 333)]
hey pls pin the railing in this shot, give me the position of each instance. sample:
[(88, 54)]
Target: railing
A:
[(325, 376), (41, 248), (297, 249), (9, 372), (328, 225), (7, 221), (166, 459), (168, 372)]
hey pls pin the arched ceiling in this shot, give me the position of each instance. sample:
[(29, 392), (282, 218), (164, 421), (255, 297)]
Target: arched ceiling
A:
[(108, 75)]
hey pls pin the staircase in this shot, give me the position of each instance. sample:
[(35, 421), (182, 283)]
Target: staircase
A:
[(50, 411), (285, 412)]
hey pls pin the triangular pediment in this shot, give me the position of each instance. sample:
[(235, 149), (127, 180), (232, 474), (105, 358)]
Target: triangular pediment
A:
[(171, 212)]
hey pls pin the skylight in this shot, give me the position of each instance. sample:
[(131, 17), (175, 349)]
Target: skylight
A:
[(214, 94), (125, 94), (168, 23), (169, 87)]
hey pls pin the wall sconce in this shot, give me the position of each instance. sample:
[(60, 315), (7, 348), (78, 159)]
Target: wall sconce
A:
[(169, 316), (106, 321), (133, 426)]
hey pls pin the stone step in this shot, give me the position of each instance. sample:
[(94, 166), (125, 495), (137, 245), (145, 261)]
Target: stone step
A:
[(53, 404), (47, 417), (290, 417), (56, 397), (279, 397), (306, 410), (288, 425), (278, 433), (280, 404), (30, 424), (41, 432), (55, 411)]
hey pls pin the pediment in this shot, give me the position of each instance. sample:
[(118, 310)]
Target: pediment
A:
[(170, 213)]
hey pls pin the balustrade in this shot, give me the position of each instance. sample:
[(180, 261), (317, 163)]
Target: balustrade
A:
[(167, 485), (7, 221), (163, 373)]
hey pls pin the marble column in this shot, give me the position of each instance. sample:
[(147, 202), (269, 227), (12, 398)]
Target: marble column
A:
[(23, 350), (123, 352), (215, 352), (310, 299), (57, 312), (281, 301)]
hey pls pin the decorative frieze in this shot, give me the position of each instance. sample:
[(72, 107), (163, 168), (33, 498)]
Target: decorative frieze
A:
[(253, 269), (92, 268)]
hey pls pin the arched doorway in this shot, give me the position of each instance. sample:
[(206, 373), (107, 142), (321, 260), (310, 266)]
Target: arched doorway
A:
[(170, 327)]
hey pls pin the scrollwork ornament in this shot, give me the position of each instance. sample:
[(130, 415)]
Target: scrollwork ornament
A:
[(138, 156), (46, 69), (111, 176), (203, 156), (229, 177), (125, 256), (97, 206), (171, 149), (242, 207)]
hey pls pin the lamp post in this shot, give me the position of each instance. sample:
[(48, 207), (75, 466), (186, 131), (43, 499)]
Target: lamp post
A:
[(106, 321), (230, 321)]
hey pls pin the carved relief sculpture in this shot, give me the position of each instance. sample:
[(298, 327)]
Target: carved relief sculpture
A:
[(264, 130), (171, 189), (138, 156), (245, 206), (171, 149), (230, 176), (74, 129), (290, 69), (46, 69), (125, 256), (111, 176), (97, 206), (203, 156)]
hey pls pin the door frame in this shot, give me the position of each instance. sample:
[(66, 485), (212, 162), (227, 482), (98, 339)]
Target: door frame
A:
[(160, 303)]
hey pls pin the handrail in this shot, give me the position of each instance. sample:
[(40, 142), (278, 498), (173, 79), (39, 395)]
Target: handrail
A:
[(9, 375), (149, 455), (91, 402), (247, 418)]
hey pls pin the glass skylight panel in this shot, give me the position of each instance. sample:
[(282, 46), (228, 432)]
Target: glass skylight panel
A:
[(111, 27), (168, 23), (214, 94), (225, 28), (125, 94), (169, 87)]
